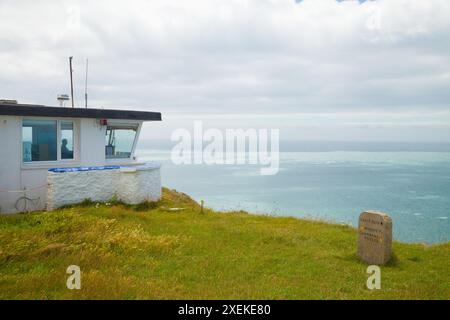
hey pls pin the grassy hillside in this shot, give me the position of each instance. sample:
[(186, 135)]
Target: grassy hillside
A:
[(150, 252)]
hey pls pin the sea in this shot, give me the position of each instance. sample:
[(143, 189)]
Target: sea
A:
[(328, 181)]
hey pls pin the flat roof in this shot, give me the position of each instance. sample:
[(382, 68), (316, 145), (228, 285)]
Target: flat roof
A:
[(30, 110)]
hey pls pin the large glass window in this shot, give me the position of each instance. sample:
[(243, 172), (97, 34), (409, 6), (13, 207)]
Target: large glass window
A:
[(39, 140), (119, 141), (66, 140)]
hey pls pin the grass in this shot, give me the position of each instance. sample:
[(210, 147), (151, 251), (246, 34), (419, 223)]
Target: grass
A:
[(150, 252)]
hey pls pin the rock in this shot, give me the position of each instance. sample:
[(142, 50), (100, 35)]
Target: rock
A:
[(374, 237)]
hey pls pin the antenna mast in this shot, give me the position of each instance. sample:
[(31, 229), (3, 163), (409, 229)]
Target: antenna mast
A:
[(71, 80), (85, 85)]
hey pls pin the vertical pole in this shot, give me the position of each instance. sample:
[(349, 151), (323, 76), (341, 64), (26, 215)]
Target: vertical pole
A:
[(71, 80), (85, 85), (25, 198)]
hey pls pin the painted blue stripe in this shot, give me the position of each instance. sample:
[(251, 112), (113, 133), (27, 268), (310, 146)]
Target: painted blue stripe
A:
[(77, 169)]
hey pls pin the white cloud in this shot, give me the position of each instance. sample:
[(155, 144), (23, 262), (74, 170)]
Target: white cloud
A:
[(251, 56)]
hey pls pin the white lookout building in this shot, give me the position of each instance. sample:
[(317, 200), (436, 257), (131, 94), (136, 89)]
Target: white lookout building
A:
[(54, 156)]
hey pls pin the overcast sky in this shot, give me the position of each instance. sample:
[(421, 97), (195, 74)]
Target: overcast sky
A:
[(315, 69)]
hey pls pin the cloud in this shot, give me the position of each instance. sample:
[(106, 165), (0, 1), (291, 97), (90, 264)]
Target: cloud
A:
[(252, 56)]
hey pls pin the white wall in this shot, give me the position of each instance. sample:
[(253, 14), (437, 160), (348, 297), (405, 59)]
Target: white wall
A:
[(15, 175), (132, 185), (10, 160), (92, 142)]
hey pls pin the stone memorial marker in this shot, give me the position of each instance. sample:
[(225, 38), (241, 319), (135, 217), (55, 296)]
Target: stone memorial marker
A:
[(374, 237)]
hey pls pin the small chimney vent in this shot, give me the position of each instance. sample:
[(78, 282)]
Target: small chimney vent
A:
[(62, 98)]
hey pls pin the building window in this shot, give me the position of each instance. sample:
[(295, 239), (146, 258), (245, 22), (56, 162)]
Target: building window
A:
[(47, 140), (119, 141), (39, 140), (66, 140)]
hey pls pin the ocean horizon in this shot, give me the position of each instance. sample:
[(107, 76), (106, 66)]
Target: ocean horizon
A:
[(333, 181)]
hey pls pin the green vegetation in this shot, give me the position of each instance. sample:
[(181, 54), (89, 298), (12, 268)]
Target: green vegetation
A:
[(152, 252)]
